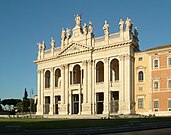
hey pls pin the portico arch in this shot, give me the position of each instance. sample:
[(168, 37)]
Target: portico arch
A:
[(57, 77), (76, 74), (114, 70), (47, 79), (100, 72)]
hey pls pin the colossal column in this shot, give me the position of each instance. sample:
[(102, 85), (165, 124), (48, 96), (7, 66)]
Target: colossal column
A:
[(42, 91), (106, 84), (51, 92), (122, 83), (39, 107), (67, 88), (90, 87)]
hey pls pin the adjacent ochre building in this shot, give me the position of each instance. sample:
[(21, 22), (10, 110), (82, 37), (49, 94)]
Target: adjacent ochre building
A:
[(152, 81), (106, 75)]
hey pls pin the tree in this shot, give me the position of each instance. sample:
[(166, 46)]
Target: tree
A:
[(10, 102), (1, 108), (19, 106), (25, 94), (26, 105)]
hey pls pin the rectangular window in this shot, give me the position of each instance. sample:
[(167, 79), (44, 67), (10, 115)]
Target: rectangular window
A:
[(169, 83), (169, 61), (156, 85), (140, 58), (140, 88), (70, 77), (169, 103), (156, 63), (140, 103), (156, 104)]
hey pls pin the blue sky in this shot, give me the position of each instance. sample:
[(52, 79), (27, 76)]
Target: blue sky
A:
[(23, 23)]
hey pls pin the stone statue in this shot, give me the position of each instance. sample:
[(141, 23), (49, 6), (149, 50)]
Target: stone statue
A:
[(85, 29), (106, 28), (39, 46), (136, 32), (128, 24), (52, 42), (78, 20), (90, 27), (63, 34), (43, 45), (68, 33), (121, 25)]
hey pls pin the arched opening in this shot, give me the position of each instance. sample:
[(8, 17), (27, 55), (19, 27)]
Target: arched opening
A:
[(114, 70), (47, 79), (76, 74), (140, 76), (58, 78), (100, 72)]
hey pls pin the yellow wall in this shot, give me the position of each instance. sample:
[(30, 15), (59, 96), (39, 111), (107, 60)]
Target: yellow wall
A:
[(145, 84)]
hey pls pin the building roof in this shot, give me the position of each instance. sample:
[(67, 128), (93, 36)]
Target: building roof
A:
[(159, 47)]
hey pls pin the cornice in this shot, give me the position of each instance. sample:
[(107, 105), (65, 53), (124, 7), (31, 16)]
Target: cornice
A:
[(89, 49)]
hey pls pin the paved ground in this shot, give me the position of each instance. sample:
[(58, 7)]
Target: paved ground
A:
[(163, 131), (122, 130)]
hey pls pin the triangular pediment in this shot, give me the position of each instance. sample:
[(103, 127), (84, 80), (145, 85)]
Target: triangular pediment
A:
[(74, 48)]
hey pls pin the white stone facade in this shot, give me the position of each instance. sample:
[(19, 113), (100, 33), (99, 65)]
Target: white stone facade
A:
[(88, 75)]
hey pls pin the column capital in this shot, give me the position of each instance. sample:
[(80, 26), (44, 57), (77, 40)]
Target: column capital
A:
[(89, 61), (62, 66), (122, 57), (66, 65), (84, 62), (129, 57), (51, 69), (40, 70), (106, 59)]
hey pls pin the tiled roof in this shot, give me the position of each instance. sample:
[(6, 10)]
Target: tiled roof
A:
[(159, 47)]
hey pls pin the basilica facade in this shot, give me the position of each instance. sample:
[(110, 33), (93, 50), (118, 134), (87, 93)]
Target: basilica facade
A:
[(88, 75)]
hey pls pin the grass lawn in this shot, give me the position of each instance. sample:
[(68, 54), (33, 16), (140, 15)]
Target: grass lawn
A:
[(36, 124)]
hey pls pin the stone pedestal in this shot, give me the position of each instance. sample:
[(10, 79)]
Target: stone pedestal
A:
[(39, 110), (86, 109), (62, 109)]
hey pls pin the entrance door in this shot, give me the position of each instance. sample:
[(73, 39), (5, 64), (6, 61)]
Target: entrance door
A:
[(47, 103), (57, 102), (99, 101), (114, 106), (75, 104)]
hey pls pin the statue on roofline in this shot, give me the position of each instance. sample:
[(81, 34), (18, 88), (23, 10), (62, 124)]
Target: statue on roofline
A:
[(121, 24), (78, 20), (128, 24), (63, 34), (52, 42), (85, 29), (106, 28), (41, 46), (90, 27), (136, 32), (68, 33)]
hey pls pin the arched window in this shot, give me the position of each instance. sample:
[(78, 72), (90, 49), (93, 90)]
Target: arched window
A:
[(58, 78), (47, 79), (114, 70), (76, 74), (140, 76), (100, 72)]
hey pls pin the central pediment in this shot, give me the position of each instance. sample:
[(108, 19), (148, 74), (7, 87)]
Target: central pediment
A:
[(74, 48)]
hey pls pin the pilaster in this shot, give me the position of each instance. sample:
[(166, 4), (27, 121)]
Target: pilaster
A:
[(51, 91), (40, 103), (90, 92), (122, 83), (40, 108), (106, 84)]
